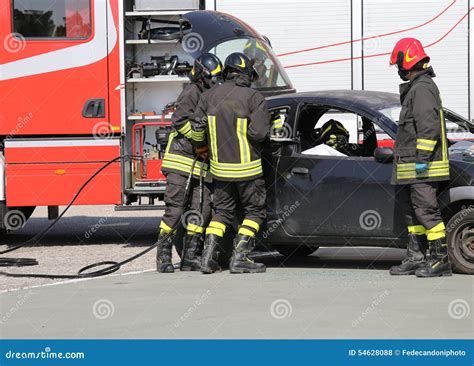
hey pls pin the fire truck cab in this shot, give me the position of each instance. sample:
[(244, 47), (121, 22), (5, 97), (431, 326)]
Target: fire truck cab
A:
[(84, 82)]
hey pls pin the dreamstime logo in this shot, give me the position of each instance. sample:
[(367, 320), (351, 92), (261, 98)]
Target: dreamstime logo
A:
[(21, 123), (281, 309), (103, 309), (191, 218), (192, 309), (370, 220), (14, 220), (459, 309), (192, 42), (378, 300), (281, 132), (275, 224), (102, 130), (22, 299), (460, 218), (371, 44), (14, 42), (89, 233)]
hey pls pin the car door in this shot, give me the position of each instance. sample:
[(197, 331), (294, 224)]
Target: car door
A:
[(337, 196)]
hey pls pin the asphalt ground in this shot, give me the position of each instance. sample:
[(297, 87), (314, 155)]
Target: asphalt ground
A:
[(335, 293)]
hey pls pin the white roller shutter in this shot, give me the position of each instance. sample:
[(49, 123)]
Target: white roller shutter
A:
[(302, 24), (449, 55), (326, 25)]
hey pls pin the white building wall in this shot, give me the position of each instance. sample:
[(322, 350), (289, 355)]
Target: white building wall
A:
[(341, 60)]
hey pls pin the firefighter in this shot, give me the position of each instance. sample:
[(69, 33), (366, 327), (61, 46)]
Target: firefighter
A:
[(237, 121), (421, 161), (255, 51), (335, 135), (178, 162)]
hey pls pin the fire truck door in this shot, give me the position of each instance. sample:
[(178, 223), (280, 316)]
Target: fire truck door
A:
[(54, 70)]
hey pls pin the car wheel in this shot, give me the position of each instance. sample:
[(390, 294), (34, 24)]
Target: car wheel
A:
[(294, 251), (460, 230)]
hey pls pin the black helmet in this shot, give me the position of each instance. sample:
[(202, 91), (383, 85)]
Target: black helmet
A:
[(254, 50), (238, 62), (207, 66), (334, 134)]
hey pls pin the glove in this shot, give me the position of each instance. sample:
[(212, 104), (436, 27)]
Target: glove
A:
[(203, 152), (421, 168)]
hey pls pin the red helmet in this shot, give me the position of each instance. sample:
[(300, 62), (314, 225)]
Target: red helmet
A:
[(407, 53)]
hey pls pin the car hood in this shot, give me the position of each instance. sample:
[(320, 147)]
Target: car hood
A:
[(462, 151)]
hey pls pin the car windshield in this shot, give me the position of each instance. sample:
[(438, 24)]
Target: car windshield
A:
[(271, 72), (457, 127)]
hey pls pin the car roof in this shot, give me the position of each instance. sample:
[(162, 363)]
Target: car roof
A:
[(365, 99)]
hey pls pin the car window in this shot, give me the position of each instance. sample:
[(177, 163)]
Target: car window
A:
[(456, 125), (329, 131), (280, 128), (349, 120), (271, 73)]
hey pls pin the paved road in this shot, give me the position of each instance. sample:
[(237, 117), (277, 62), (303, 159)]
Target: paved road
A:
[(336, 293)]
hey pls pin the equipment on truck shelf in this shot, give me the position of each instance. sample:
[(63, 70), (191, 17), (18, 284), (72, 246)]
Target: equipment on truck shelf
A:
[(148, 167), (144, 114), (164, 33), (159, 65)]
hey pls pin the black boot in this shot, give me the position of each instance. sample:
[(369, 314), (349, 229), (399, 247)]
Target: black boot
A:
[(210, 254), (438, 262), (163, 253), (240, 261), (191, 260), (416, 256)]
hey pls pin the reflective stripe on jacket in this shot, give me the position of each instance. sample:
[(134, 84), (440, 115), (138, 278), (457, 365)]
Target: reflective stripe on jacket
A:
[(421, 136), (236, 120), (179, 154)]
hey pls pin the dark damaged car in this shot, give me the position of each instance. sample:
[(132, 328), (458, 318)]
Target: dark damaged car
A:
[(347, 200)]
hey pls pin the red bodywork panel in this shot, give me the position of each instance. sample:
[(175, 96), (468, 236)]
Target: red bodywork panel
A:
[(46, 176), (56, 184), (44, 86), (50, 80)]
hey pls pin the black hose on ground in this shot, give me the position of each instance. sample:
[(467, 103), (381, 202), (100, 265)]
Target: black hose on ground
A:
[(110, 266)]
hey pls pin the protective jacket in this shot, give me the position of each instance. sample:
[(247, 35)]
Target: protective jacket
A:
[(235, 120), (179, 154), (421, 136)]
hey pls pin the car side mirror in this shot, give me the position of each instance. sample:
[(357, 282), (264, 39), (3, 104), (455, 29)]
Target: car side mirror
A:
[(383, 154)]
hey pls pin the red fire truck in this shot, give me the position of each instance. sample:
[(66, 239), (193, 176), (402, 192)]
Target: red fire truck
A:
[(85, 81)]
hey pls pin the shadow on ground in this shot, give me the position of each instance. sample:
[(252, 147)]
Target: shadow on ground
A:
[(138, 232)]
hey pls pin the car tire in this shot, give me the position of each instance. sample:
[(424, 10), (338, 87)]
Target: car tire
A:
[(294, 251), (460, 237)]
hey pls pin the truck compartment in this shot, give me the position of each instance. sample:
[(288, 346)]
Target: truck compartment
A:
[(51, 172)]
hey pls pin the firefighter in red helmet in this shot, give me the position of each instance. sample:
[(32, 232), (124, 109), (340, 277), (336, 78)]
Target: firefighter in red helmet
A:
[(421, 162)]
